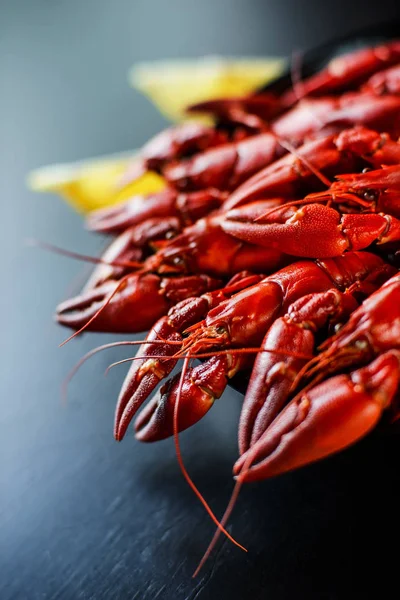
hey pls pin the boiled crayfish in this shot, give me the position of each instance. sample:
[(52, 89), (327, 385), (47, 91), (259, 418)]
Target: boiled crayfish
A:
[(274, 249)]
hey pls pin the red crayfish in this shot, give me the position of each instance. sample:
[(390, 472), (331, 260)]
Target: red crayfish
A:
[(273, 250)]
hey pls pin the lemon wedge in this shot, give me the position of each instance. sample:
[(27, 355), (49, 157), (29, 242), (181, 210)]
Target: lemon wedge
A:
[(175, 84), (172, 86), (93, 183)]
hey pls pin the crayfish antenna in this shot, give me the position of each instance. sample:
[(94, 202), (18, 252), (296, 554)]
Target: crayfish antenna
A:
[(83, 257), (183, 356), (296, 76), (82, 360), (88, 355), (182, 466), (314, 198), (317, 172), (98, 312), (228, 511), (292, 150), (94, 260)]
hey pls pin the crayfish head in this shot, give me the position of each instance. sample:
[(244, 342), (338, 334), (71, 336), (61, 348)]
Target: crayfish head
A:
[(371, 187), (174, 257), (202, 337)]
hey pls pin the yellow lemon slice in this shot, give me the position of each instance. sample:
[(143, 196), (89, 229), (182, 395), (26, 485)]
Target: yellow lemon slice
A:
[(93, 183), (175, 84)]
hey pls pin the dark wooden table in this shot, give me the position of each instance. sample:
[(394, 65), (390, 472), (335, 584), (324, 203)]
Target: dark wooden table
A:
[(83, 516)]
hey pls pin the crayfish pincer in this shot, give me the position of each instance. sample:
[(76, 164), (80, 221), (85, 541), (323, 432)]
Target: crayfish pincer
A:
[(327, 416)]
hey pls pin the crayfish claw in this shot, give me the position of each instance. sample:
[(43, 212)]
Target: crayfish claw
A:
[(323, 420), (130, 305), (201, 386), (77, 311), (156, 420)]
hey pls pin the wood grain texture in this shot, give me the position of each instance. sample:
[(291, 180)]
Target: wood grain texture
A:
[(83, 517)]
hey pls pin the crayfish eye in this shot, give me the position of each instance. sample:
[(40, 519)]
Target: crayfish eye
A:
[(370, 195), (220, 330), (178, 261), (361, 344)]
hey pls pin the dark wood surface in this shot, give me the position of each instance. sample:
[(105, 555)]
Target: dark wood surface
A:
[(83, 516)]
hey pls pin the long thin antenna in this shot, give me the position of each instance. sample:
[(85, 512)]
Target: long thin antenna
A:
[(83, 257), (183, 468)]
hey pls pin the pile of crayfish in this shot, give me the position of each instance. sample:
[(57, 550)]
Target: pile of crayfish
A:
[(273, 250)]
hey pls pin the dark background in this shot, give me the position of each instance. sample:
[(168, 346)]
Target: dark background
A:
[(83, 516)]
